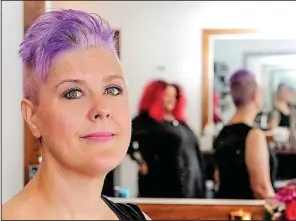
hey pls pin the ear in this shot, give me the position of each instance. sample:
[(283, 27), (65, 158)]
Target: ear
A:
[(258, 97), (29, 115)]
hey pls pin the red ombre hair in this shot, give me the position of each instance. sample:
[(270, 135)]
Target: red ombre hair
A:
[(152, 101)]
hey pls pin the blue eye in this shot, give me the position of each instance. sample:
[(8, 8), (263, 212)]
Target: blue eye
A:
[(113, 90), (73, 93)]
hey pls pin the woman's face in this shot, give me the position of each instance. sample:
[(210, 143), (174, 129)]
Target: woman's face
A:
[(286, 94), (83, 114), (170, 98)]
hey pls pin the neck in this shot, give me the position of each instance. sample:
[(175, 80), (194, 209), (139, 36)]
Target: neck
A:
[(246, 114), (67, 193), (282, 105), (169, 116)]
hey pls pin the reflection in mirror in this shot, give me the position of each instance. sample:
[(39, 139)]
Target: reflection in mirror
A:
[(164, 147), (274, 70), (253, 110)]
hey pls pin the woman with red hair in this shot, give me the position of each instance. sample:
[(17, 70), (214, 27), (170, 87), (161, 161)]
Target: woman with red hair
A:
[(163, 145)]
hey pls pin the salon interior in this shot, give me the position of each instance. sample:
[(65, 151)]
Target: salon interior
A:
[(195, 48)]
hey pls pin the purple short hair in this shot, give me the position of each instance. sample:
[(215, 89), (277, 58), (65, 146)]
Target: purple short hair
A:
[(242, 85), (55, 32)]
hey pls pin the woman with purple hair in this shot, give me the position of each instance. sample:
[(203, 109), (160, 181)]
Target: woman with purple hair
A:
[(76, 104), (245, 167)]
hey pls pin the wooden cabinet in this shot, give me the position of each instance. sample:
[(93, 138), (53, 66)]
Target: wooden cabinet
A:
[(198, 212), (195, 209)]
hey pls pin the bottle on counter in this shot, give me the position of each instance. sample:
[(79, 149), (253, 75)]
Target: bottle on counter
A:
[(210, 189)]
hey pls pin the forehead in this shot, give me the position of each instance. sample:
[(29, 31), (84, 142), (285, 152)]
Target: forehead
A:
[(170, 89), (83, 62)]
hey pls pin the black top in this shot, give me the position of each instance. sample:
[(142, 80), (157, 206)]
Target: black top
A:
[(285, 120), (230, 160), (171, 151), (125, 211)]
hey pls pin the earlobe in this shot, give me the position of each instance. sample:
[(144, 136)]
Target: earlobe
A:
[(29, 115)]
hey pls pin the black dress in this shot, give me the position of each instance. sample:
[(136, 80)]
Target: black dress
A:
[(230, 160), (125, 211), (171, 151)]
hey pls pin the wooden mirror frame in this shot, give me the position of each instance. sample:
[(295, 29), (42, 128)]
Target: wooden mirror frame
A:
[(206, 90)]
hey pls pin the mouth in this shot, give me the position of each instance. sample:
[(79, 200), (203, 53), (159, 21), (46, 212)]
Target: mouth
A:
[(100, 136)]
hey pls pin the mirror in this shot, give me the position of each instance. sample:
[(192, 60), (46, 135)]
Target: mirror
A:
[(270, 68), (224, 52), (271, 60)]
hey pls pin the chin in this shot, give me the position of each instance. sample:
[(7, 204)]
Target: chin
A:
[(104, 164)]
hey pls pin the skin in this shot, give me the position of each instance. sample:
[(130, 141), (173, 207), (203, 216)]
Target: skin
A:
[(284, 97), (69, 182), (257, 156), (169, 101)]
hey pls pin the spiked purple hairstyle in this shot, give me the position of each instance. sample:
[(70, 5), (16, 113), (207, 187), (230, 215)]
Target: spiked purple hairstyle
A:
[(242, 85), (55, 32)]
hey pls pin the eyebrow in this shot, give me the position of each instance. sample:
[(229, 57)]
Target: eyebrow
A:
[(112, 77), (79, 81)]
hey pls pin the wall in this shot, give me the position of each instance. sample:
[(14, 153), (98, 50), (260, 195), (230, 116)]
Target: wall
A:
[(12, 123), (169, 34)]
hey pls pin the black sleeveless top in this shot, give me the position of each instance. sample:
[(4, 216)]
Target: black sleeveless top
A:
[(230, 160), (284, 120), (125, 211)]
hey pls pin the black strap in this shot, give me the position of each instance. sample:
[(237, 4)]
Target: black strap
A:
[(125, 211)]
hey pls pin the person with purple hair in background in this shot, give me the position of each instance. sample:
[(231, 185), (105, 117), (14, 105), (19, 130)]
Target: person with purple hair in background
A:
[(245, 167), (76, 104)]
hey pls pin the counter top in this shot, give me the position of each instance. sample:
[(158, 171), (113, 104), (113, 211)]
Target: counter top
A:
[(288, 151), (185, 201)]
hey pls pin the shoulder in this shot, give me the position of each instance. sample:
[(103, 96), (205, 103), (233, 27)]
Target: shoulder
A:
[(188, 128), (7, 212), (274, 114), (256, 134), (142, 121), (14, 210), (256, 139)]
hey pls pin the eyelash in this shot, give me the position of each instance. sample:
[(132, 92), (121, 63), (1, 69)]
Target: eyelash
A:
[(120, 90), (67, 93)]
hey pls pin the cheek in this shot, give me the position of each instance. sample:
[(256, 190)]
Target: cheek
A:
[(60, 120), (121, 112), (121, 116)]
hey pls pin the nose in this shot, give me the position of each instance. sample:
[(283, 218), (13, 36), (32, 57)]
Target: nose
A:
[(98, 113)]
